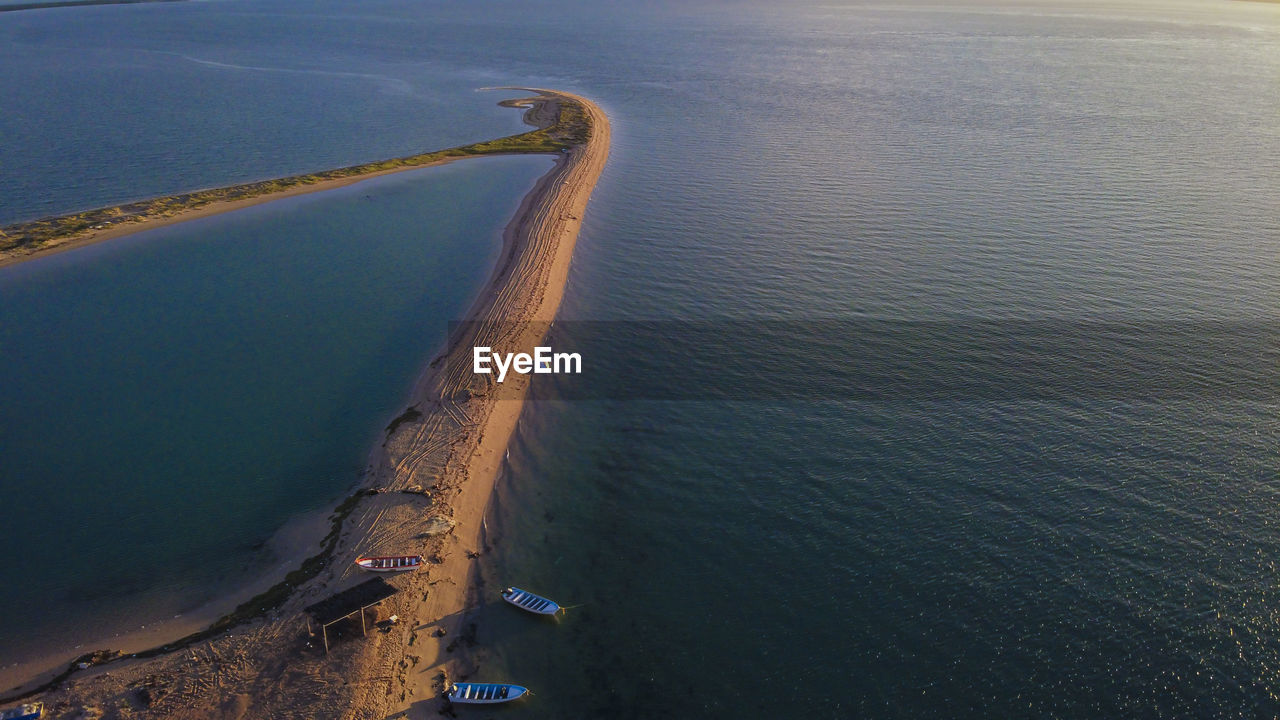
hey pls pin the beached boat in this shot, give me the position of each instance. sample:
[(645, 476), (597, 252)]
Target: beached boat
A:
[(526, 600), (484, 693), (390, 563), (30, 711)]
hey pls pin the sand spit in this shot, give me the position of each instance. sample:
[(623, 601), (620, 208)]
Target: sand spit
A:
[(431, 481), (28, 240)]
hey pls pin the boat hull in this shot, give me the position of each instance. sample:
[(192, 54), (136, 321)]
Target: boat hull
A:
[(484, 693), (30, 711), (390, 563), (529, 602)]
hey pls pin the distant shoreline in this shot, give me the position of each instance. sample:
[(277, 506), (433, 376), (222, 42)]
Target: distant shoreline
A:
[(77, 3), (437, 468), (28, 240)]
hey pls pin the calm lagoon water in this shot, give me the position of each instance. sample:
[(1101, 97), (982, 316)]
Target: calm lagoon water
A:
[(1092, 546), (176, 396)]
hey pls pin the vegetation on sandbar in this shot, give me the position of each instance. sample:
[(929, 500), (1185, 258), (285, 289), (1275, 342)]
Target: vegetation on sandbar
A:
[(572, 127), (46, 4)]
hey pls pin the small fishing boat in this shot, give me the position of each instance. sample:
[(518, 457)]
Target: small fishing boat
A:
[(484, 693), (390, 563), (30, 711), (526, 600)]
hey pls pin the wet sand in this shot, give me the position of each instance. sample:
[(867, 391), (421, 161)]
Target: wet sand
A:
[(433, 478)]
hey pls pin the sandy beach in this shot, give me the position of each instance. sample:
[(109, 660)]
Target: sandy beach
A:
[(429, 487)]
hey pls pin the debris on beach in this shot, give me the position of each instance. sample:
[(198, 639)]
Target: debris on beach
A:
[(437, 525)]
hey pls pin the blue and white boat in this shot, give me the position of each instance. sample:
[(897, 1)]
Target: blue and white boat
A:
[(526, 600), (484, 693), (390, 563), (30, 711)]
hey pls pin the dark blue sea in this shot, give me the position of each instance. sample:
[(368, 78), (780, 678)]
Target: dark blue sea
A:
[(930, 349)]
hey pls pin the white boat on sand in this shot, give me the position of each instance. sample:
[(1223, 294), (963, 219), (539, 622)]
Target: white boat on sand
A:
[(390, 563)]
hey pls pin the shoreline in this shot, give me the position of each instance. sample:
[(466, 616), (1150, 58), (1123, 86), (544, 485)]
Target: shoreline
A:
[(433, 471), (283, 550), (554, 134), (217, 207), (32, 672), (50, 4)]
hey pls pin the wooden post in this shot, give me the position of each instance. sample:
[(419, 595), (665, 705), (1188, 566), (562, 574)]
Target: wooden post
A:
[(362, 629), (324, 629)]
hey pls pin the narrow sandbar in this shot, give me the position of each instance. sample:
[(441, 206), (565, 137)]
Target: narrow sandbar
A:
[(430, 483), (556, 133)]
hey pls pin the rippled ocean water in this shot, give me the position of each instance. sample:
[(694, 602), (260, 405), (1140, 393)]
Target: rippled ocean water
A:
[(1074, 544)]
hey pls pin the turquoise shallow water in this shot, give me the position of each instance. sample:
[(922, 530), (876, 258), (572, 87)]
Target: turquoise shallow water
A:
[(175, 396), (1081, 544)]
